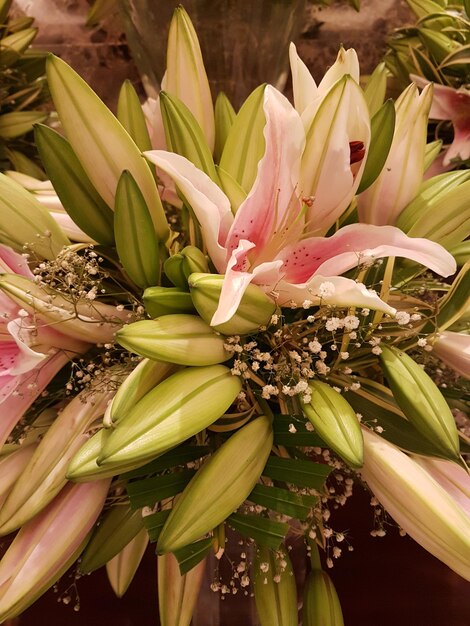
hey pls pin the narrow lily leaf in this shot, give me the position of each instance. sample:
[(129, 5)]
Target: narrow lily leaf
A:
[(424, 66), (291, 430), (71, 183), (24, 220), (18, 123), (151, 490), (154, 524), (297, 472), (233, 190), (264, 531), (172, 458), (374, 91), (245, 144), (184, 135), (439, 45), (119, 526), (100, 10), (456, 301), (136, 242), (4, 8), (21, 163), (461, 253), (131, 116), (12, 46), (382, 129), (432, 152), (283, 501), (224, 118), (189, 556), (424, 7), (466, 4), (102, 145)]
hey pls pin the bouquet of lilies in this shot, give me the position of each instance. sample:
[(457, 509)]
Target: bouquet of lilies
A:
[(215, 319)]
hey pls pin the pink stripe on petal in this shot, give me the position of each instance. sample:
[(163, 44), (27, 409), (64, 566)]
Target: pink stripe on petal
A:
[(13, 263)]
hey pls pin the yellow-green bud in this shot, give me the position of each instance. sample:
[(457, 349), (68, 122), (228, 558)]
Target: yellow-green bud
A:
[(194, 260), (173, 268), (122, 568), (420, 400), (166, 300), (219, 487), (175, 410), (321, 602), (336, 422), (179, 338), (177, 594), (255, 310), (275, 589)]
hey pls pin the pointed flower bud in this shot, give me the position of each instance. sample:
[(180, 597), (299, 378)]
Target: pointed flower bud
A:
[(256, 308), (321, 602), (46, 547), (11, 468), (175, 410), (219, 487), (419, 504), (86, 320), (336, 422), (179, 338), (166, 300), (177, 594), (420, 400), (275, 589), (454, 350), (122, 568)]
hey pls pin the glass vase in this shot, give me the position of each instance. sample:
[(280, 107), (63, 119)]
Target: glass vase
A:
[(243, 44)]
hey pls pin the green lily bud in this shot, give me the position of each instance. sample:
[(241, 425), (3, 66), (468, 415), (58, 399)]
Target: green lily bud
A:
[(44, 475), (119, 526), (122, 568), (12, 466), (224, 114), (177, 594), (255, 309), (275, 590), (142, 379), (178, 338), (175, 410), (165, 300), (86, 320), (194, 260), (321, 602), (219, 487), (420, 400), (15, 44), (173, 268), (336, 422), (18, 123)]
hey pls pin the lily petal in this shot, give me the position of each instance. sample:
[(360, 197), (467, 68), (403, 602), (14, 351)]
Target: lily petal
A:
[(303, 85), (454, 350), (209, 203)]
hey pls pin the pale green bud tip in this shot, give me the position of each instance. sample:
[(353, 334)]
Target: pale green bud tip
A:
[(255, 310), (321, 602)]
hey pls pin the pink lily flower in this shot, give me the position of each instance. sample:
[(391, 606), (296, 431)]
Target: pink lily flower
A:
[(454, 350), (453, 478), (267, 242), (454, 105)]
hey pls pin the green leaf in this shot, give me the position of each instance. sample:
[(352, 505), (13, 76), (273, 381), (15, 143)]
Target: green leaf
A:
[(263, 531), (23, 218), (283, 501), (282, 427), (245, 143), (177, 456), (456, 301), (75, 190), (300, 473), (459, 56), (438, 44), (4, 8), (424, 7), (136, 242), (374, 91), (131, 116), (151, 490), (224, 118), (189, 556), (461, 253), (466, 6), (100, 10), (184, 135), (382, 129), (19, 123), (102, 145), (154, 524)]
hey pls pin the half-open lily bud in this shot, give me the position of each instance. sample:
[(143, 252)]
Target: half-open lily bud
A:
[(122, 568), (454, 350), (175, 410), (44, 476), (419, 504), (219, 487), (336, 422), (452, 477), (177, 594), (321, 602), (85, 320), (420, 400), (118, 527), (255, 309), (403, 171), (186, 76), (167, 300), (179, 338), (47, 546), (275, 589)]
